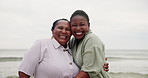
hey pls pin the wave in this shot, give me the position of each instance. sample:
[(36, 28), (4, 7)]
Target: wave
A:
[(127, 58), (140, 73), (109, 58), (5, 59), (128, 75)]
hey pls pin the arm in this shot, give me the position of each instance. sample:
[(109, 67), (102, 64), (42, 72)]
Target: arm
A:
[(93, 57), (23, 75), (91, 65), (82, 74), (30, 61)]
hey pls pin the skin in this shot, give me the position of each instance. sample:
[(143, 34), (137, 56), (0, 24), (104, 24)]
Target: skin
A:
[(61, 33), (106, 68), (23, 75), (79, 27)]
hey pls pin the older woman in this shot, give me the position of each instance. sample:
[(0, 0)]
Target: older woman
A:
[(50, 58)]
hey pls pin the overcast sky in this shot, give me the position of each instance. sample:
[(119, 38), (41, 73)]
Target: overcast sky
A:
[(120, 24)]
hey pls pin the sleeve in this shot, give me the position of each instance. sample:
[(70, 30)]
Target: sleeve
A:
[(93, 57), (31, 59)]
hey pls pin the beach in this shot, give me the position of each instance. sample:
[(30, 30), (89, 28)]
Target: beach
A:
[(122, 63)]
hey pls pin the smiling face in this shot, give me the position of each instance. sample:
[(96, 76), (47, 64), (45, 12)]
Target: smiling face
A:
[(62, 32), (79, 26)]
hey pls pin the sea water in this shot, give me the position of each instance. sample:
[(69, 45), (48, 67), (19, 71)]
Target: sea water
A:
[(122, 63), (128, 63), (9, 61)]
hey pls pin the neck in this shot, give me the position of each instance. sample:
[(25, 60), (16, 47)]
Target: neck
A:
[(65, 45)]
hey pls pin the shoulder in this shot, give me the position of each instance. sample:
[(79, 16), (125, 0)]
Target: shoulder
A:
[(92, 38), (42, 42)]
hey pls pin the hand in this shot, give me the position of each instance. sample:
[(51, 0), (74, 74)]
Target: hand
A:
[(106, 66), (23, 75)]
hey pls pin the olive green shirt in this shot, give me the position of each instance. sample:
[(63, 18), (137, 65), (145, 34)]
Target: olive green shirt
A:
[(89, 55)]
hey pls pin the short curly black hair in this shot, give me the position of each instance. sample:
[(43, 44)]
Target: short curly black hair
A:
[(81, 13)]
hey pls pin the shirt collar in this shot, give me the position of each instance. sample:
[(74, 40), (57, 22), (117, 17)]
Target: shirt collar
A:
[(56, 43), (89, 32)]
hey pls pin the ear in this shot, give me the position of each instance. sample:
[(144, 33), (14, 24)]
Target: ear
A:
[(88, 27), (88, 24)]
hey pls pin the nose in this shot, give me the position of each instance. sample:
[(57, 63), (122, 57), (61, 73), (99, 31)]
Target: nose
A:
[(63, 31), (78, 27)]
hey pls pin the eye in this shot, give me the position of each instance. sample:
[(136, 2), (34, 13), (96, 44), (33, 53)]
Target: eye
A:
[(60, 28), (82, 24), (74, 25), (67, 29)]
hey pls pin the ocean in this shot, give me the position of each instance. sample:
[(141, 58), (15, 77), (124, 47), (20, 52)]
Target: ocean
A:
[(122, 63), (128, 63)]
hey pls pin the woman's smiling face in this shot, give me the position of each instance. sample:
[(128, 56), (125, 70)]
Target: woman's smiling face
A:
[(62, 32), (79, 26)]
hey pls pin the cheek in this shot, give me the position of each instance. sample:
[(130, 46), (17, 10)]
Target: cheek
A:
[(72, 28), (55, 33), (69, 33), (87, 29)]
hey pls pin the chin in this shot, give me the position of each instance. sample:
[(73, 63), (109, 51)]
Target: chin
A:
[(78, 38)]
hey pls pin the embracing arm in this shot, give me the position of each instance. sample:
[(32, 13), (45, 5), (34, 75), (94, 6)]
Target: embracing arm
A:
[(30, 61), (106, 66), (82, 74), (23, 75)]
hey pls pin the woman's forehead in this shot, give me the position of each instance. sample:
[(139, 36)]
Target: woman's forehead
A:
[(62, 23)]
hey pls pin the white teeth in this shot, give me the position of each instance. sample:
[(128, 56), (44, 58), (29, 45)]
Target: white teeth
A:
[(63, 36), (79, 33)]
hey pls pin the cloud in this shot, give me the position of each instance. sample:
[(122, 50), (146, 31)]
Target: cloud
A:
[(121, 24)]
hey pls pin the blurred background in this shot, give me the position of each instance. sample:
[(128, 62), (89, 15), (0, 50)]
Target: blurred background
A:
[(122, 25)]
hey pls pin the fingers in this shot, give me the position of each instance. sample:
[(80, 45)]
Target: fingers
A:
[(106, 66), (106, 58), (106, 70)]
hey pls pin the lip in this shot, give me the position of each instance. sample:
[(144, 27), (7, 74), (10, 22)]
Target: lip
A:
[(80, 33), (63, 37)]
